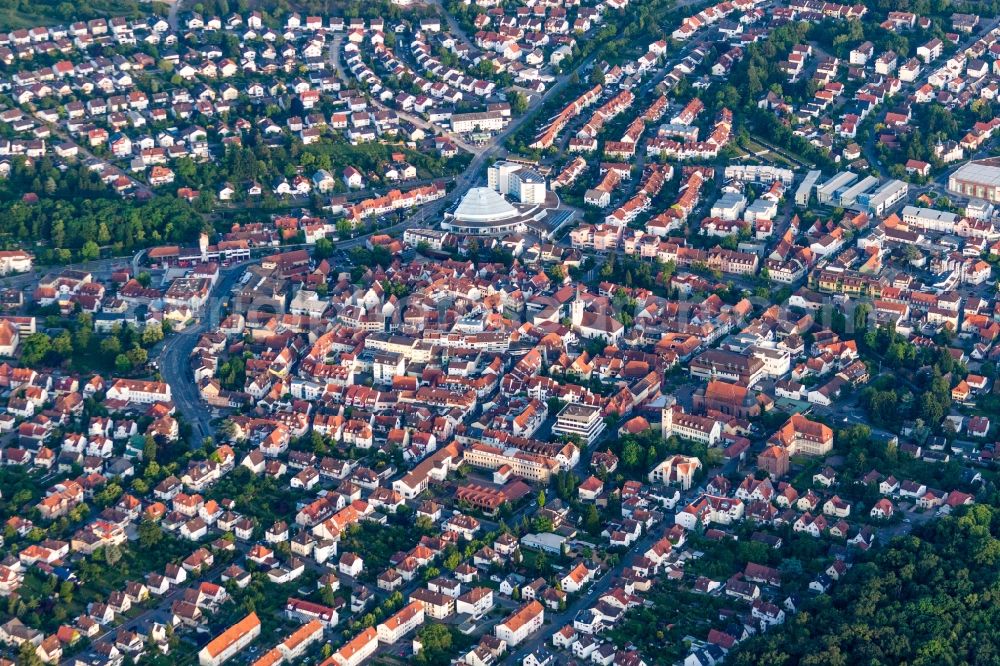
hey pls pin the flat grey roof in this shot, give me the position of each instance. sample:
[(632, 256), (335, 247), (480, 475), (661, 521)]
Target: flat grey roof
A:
[(980, 172)]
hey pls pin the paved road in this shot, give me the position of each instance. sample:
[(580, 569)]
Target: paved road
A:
[(175, 6), (454, 28), (176, 351), (175, 354), (175, 370), (427, 214), (160, 610)]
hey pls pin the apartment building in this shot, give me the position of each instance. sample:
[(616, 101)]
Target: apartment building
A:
[(709, 509), (675, 423), (356, 651), (677, 469), (230, 642), (521, 624), (727, 365), (577, 420), (491, 121), (800, 435), (136, 390), (403, 622), (525, 465), (930, 219)]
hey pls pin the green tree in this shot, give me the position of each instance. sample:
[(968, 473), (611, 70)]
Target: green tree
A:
[(931, 409), (152, 334), (556, 273), (591, 520), (112, 554), (109, 495), (123, 363), (83, 333), (90, 251), (631, 454), (149, 449), (941, 572), (27, 656), (436, 645), (518, 103), (35, 348), (150, 534), (137, 356), (111, 346), (323, 248), (62, 344)]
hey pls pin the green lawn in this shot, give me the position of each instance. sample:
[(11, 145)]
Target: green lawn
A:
[(44, 12)]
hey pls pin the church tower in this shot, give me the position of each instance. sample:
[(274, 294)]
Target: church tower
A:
[(576, 307), (667, 417)]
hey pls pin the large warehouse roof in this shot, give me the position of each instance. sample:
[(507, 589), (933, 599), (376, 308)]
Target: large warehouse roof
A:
[(983, 172)]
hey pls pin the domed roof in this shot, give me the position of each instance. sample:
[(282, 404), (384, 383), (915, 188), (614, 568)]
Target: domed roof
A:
[(481, 204)]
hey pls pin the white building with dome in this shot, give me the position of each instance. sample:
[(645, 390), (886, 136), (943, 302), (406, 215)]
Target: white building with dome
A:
[(485, 212), (481, 204)]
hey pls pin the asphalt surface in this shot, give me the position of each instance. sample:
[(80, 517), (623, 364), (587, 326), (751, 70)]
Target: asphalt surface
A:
[(175, 354)]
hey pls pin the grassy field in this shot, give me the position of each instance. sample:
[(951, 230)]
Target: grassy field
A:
[(767, 154), (12, 19), (46, 12)]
